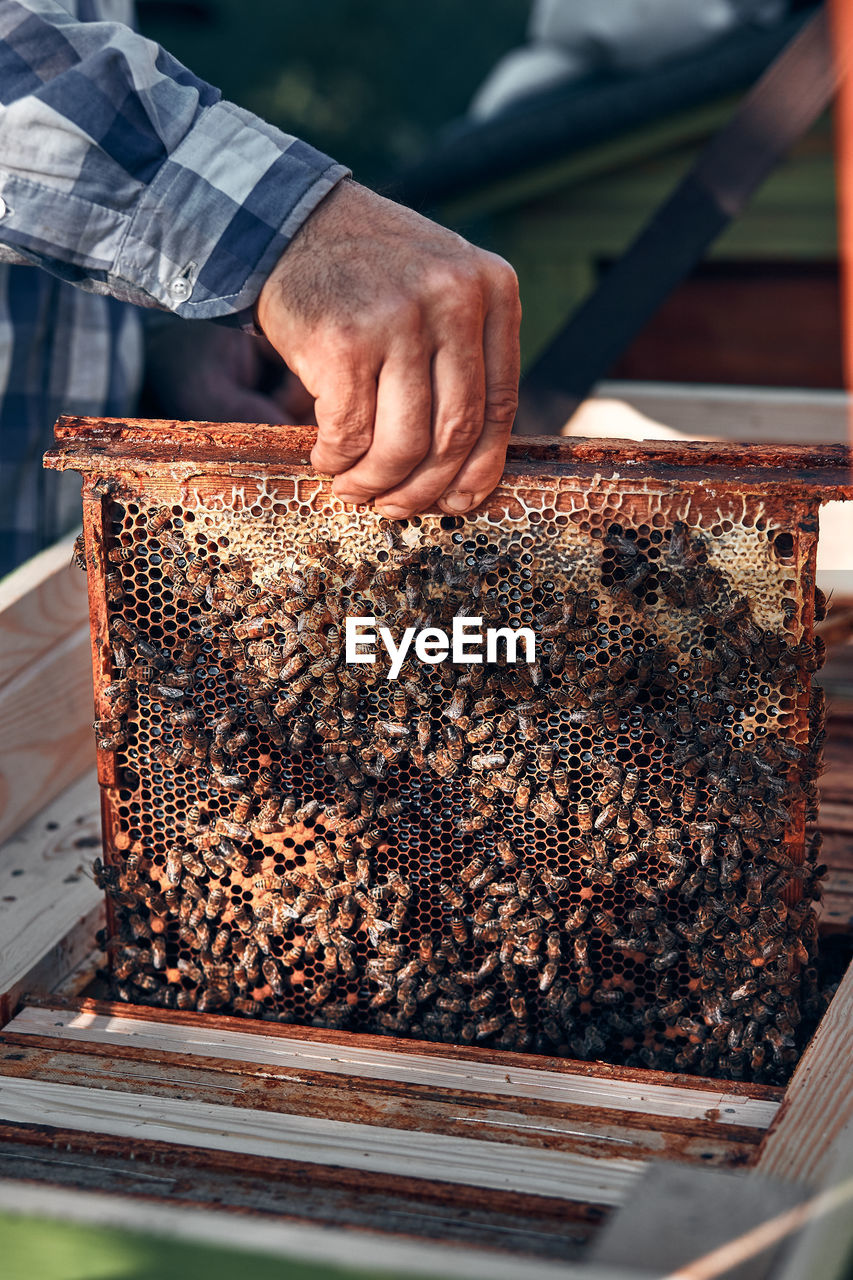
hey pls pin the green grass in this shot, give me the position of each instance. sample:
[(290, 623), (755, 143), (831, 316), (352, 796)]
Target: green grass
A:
[(40, 1249)]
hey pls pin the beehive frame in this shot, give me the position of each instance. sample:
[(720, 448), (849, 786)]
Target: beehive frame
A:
[(630, 884)]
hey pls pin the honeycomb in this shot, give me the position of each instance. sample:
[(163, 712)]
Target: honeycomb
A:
[(599, 854)]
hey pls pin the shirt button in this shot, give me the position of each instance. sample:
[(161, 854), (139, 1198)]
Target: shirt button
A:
[(4, 208), (180, 289)]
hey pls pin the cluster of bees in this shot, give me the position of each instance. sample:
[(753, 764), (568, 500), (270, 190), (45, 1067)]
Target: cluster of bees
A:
[(482, 860)]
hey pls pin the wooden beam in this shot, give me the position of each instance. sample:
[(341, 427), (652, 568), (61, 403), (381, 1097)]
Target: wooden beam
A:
[(40, 603), (47, 739), (596, 1132), (818, 1107), (50, 907), (371, 1252), (314, 1141), (825, 1247), (46, 696), (723, 1107), (737, 413), (709, 1213)]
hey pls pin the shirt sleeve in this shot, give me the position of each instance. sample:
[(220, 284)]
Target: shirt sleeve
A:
[(123, 173)]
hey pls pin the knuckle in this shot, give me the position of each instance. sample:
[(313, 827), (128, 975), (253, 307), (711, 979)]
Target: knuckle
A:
[(501, 403), (344, 437), (402, 461), (464, 312), (339, 345), (408, 315), (503, 280), (455, 280), (458, 434)]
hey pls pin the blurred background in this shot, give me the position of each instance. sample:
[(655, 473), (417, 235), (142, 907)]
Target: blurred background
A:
[(370, 81), (574, 141)]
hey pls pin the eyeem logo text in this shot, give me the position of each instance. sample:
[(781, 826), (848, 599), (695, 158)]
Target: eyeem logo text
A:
[(466, 643)]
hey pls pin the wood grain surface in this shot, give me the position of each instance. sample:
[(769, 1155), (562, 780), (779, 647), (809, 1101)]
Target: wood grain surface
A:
[(40, 603), (46, 695), (342, 1058), (50, 907), (817, 1112), (311, 1140)]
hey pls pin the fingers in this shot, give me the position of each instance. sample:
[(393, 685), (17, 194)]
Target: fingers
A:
[(458, 381), (406, 337), (482, 468), (475, 381), (345, 408), (402, 431)]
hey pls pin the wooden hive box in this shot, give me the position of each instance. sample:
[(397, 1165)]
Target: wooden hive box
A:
[(486, 1160)]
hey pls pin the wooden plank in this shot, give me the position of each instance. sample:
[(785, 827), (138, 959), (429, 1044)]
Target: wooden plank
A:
[(40, 603), (825, 1247), (818, 1105), (595, 1132), (370, 1250), (46, 713), (534, 1225), (705, 1210), (722, 1105), (835, 913), (50, 907), (836, 818), (837, 852), (433, 1157), (821, 1252), (738, 413)]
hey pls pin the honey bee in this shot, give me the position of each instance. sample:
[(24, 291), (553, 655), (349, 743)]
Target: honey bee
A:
[(124, 631), (234, 743), (174, 864), (118, 554), (608, 996), (212, 998), (458, 927), (321, 993), (158, 519), (220, 943), (489, 1026), (583, 815), (158, 951), (114, 586)]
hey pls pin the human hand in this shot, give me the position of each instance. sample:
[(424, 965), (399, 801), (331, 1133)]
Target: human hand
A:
[(202, 371), (407, 337)]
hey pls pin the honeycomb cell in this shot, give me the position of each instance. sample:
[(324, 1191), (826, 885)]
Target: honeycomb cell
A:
[(594, 855)]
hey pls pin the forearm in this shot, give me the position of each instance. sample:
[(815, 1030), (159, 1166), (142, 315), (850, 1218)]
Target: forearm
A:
[(125, 174)]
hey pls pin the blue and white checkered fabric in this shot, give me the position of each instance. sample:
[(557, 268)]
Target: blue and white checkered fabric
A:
[(123, 174)]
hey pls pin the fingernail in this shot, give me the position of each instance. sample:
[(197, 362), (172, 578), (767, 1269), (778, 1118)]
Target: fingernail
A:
[(348, 497), (392, 513), (456, 501)]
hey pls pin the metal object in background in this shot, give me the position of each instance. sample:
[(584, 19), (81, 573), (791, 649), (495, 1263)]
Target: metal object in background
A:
[(599, 855)]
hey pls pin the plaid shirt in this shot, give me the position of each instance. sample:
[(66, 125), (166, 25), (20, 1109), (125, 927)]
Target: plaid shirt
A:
[(124, 175)]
